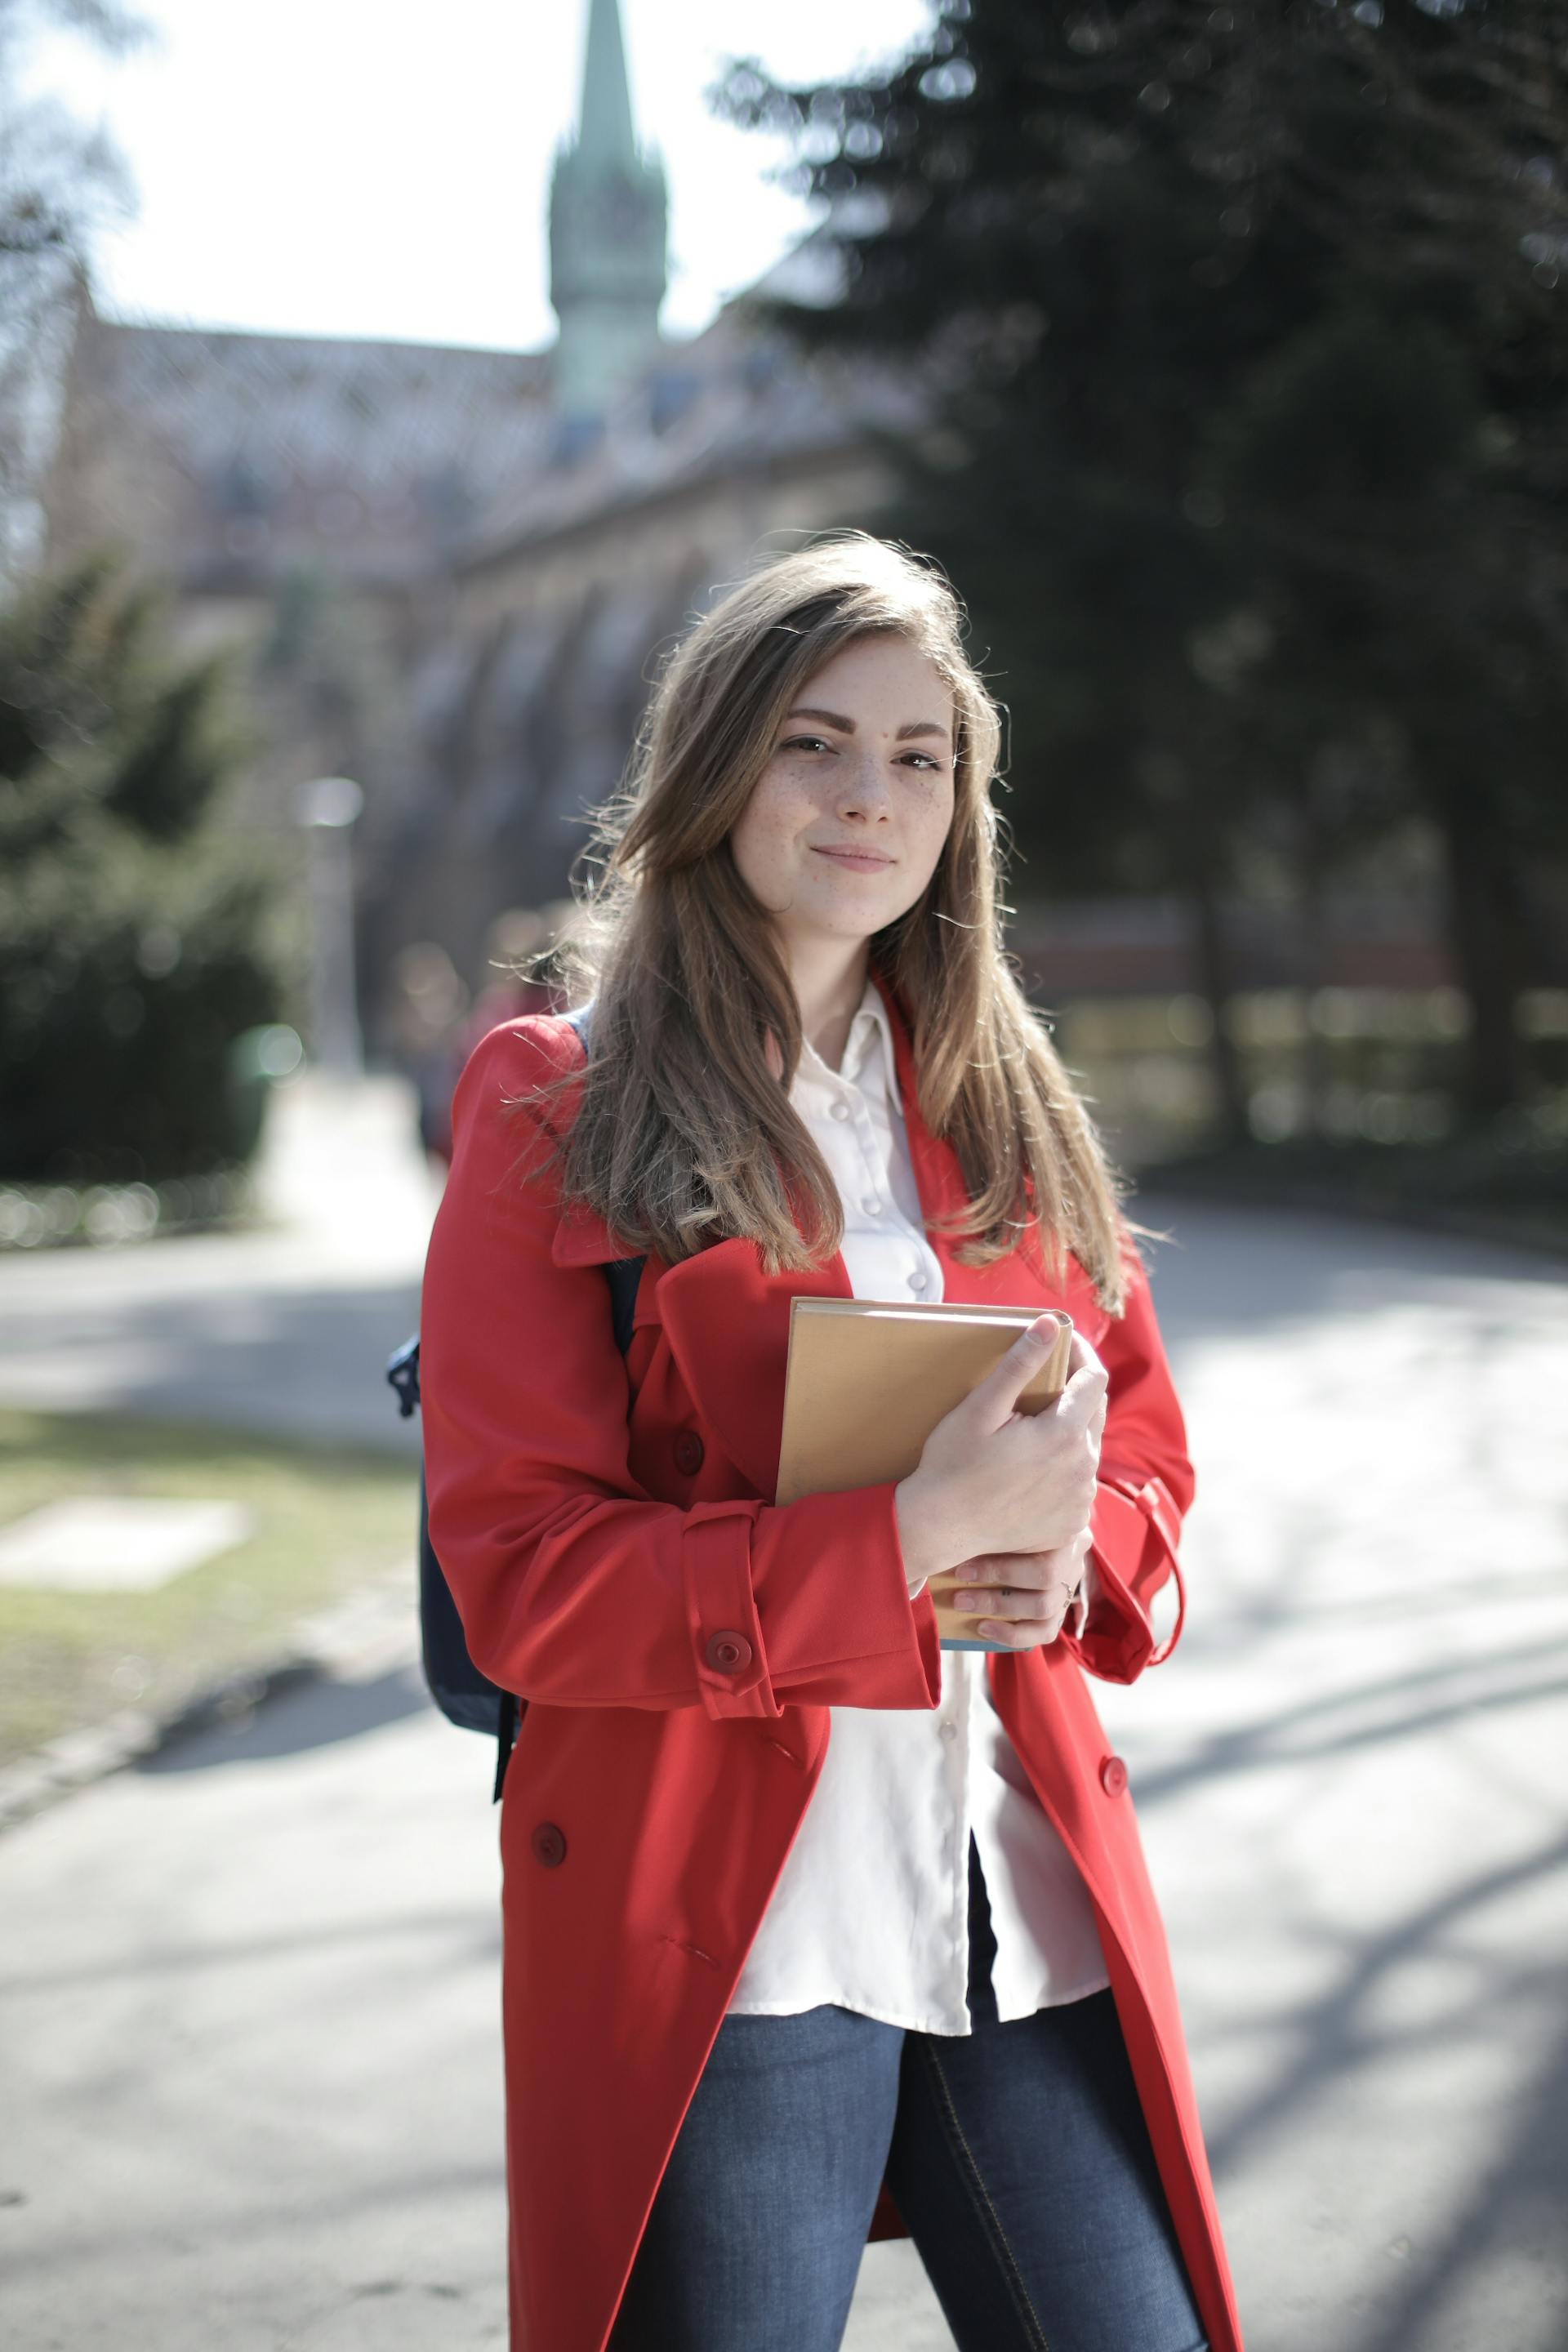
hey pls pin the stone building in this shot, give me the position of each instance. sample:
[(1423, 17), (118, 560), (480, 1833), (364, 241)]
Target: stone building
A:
[(449, 572)]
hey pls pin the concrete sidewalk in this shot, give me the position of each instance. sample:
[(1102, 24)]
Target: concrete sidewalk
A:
[(285, 1329)]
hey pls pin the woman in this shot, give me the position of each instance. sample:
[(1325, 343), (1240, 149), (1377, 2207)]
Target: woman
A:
[(813, 1930)]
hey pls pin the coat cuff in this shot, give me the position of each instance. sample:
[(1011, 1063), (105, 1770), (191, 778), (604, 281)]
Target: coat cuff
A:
[(806, 1602), (721, 1615), (1133, 1549), (1084, 1599), (843, 1628)]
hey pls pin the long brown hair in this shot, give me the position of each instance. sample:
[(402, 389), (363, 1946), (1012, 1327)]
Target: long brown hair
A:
[(684, 1133)]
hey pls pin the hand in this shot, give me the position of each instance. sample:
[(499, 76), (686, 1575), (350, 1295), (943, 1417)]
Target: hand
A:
[(1029, 1593), (992, 1479)]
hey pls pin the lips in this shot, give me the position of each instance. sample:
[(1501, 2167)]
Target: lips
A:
[(860, 861)]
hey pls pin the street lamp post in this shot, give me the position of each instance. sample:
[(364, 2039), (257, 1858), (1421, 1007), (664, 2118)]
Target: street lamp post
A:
[(327, 808)]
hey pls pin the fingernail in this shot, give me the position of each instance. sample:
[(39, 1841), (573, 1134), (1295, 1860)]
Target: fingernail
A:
[(967, 1600), (970, 1575)]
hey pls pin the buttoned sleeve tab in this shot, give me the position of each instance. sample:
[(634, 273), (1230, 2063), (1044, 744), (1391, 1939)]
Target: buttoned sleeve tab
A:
[(1144, 1489), (1134, 1555), (730, 1660)]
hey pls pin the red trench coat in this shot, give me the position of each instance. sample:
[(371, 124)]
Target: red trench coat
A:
[(680, 1641)]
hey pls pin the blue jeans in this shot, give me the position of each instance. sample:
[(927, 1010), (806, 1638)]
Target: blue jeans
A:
[(1018, 2155)]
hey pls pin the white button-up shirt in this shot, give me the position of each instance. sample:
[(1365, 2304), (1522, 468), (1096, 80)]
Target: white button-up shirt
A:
[(871, 1910)]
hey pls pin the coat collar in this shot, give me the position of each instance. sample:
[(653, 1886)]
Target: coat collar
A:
[(726, 1321)]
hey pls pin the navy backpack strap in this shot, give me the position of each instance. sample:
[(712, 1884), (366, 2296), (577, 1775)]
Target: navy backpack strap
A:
[(506, 1739)]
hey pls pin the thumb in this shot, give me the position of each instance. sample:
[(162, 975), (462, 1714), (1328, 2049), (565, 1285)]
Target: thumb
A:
[(995, 1398)]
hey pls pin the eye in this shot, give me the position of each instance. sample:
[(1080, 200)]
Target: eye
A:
[(820, 743)]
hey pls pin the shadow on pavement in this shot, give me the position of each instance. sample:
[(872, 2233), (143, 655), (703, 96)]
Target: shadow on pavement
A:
[(1226, 1271), (1512, 2224), (1502, 2243), (318, 1714), (1371, 1714), (306, 1364)]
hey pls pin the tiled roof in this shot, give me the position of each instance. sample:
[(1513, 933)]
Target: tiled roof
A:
[(390, 460), (374, 456), (728, 398)]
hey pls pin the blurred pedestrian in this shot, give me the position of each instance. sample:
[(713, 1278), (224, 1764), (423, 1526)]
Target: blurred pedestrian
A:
[(428, 1002), (516, 953)]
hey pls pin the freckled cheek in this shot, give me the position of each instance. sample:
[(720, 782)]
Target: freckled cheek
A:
[(789, 819), (768, 845), (777, 815), (934, 837), (781, 845)]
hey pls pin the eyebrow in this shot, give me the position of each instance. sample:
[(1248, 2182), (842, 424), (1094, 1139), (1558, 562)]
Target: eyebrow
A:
[(847, 726)]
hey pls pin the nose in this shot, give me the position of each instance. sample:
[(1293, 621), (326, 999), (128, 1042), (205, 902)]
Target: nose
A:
[(863, 785)]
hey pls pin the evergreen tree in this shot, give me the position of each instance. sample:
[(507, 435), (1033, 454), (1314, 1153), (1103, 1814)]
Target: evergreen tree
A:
[(136, 931), (1245, 338)]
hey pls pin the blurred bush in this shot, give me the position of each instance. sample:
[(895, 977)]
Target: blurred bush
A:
[(1354, 1101), (134, 927)]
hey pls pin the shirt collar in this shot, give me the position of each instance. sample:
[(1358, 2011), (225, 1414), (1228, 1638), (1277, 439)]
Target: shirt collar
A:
[(862, 1066)]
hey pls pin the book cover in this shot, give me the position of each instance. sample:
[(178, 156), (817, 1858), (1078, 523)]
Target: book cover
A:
[(867, 1381)]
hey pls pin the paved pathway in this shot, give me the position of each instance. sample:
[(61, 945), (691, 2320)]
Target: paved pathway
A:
[(250, 2074), (284, 1327)]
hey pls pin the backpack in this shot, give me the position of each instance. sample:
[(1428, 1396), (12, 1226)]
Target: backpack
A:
[(465, 1695)]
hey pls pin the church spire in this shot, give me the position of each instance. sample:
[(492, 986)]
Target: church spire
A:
[(608, 208), (605, 131)]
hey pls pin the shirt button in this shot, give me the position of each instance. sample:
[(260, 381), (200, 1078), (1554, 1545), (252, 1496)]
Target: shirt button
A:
[(1113, 1776), (689, 1452), (872, 1207), (950, 1731), (840, 1110), (728, 1653), (917, 1278)]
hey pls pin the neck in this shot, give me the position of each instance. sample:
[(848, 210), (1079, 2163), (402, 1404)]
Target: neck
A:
[(829, 978)]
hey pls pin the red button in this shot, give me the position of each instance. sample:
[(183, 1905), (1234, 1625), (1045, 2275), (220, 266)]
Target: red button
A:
[(550, 1844), (729, 1653), (1113, 1776), (689, 1452)]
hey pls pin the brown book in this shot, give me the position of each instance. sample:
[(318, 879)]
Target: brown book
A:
[(868, 1379)]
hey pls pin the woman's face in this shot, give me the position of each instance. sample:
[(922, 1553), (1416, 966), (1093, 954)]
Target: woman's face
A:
[(847, 820)]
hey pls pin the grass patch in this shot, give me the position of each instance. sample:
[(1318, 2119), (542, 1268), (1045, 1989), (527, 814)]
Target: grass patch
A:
[(328, 1520)]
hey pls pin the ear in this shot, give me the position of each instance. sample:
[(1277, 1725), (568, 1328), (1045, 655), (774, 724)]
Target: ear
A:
[(774, 1053)]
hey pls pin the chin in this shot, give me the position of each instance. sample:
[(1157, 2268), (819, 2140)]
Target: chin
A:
[(862, 921)]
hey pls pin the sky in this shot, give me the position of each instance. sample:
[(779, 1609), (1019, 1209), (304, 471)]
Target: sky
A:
[(348, 167)]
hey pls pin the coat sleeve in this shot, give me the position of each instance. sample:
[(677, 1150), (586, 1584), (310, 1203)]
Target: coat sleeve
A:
[(1145, 1488), (577, 1587)]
